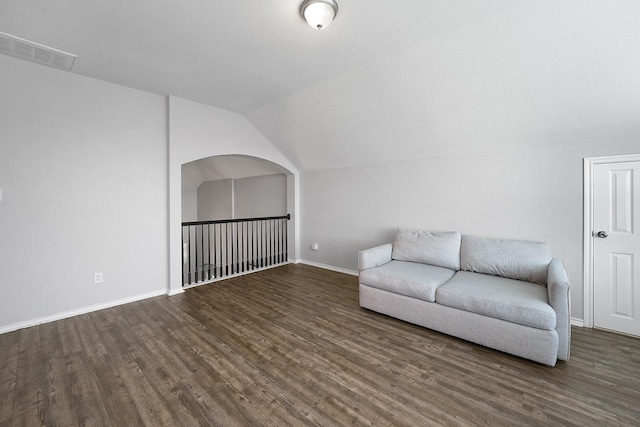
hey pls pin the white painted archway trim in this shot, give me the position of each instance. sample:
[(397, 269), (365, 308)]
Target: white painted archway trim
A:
[(197, 131), (589, 163)]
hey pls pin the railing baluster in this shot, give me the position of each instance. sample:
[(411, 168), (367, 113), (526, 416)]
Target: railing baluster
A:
[(209, 251), (259, 258), (201, 267), (226, 248), (273, 242), (254, 255), (223, 249), (249, 246), (269, 240), (191, 272), (214, 250), (185, 256), (264, 243), (286, 239), (237, 260), (248, 250), (245, 244), (279, 241), (230, 248), (219, 245)]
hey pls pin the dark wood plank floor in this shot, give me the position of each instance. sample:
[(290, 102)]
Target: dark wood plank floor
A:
[(291, 346)]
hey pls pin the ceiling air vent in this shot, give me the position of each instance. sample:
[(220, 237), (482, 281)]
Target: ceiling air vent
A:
[(25, 49)]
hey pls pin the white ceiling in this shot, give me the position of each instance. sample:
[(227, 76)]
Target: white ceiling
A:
[(237, 55), (387, 80)]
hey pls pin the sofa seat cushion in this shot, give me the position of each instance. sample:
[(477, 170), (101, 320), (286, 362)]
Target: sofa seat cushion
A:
[(411, 279), (512, 300)]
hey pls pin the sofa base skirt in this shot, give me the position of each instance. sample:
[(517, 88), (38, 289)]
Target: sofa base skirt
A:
[(530, 343)]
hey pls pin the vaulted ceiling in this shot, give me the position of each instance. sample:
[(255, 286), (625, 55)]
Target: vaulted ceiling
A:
[(387, 80)]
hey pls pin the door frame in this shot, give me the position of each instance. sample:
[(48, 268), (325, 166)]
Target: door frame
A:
[(588, 239)]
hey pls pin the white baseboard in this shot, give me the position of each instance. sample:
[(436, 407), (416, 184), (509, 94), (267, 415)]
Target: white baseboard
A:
[(76, 312), (329, 267), (577, 322)]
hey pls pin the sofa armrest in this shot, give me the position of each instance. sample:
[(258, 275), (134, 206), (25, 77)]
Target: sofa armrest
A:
[(374, 257), (558, 290)]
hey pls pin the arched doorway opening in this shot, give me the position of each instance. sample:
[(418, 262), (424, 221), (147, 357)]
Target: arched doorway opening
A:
[(196, 131), (235, 217)]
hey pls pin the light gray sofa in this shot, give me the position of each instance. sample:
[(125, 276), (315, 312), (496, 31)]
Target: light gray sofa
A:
[(510, 295)]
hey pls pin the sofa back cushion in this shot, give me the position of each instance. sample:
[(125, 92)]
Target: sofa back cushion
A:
[(515, 259), (441, 249)]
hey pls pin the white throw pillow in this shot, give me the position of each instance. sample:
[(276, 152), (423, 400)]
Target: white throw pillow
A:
[(516, 259), (441, 249)]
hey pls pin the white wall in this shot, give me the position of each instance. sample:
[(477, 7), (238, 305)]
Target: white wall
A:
[(215, 200), (260, 196), (250, 197), (83, 171), (526, 193), (198, 131), (189, 204)]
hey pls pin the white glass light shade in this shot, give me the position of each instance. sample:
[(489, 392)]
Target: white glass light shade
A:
[(319, 13)]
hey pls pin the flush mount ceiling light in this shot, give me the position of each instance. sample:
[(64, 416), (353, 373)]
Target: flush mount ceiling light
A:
[(319, 13)]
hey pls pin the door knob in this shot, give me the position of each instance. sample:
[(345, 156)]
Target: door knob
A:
[(602, 234)]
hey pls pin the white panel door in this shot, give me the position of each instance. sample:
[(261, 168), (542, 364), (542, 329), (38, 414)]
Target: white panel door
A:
[(616, 247)]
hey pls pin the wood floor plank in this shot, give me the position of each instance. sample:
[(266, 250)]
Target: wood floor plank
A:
[(88, 403), (125, 349), (69, 336), (10, 351), (177, 376), (29, 404), (291, 346), (57, 393)]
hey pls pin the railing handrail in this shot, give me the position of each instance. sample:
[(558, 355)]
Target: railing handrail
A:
[(226, 221)]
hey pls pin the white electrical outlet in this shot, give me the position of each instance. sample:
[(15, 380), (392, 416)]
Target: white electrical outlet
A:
[(315, 247), (97, 278)]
